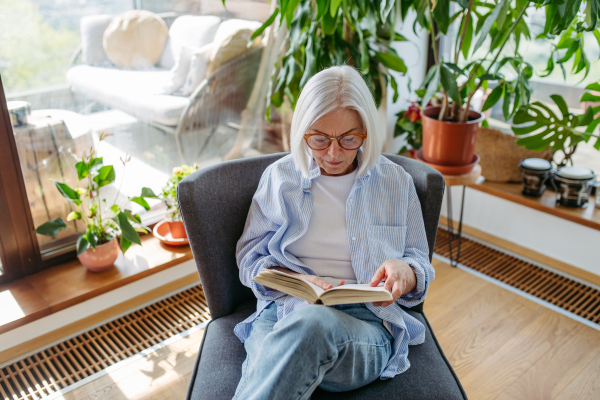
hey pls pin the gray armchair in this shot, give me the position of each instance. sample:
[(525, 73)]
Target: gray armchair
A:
[(214, 203)]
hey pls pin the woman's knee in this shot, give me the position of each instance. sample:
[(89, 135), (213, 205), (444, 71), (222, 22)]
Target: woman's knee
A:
[(310, 319)]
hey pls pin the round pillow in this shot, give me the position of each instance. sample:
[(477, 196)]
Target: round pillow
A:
[(135, 39)]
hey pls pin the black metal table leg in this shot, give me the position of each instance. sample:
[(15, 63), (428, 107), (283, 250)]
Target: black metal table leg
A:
[(452, 236)]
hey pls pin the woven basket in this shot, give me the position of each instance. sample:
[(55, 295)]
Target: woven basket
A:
[(500, 155)]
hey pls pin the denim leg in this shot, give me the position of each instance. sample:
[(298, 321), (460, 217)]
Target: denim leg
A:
[(261, 326), (318, 346)]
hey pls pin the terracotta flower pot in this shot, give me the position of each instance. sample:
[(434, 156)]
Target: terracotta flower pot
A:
[(177, 230), (102, 258), (449, 143)]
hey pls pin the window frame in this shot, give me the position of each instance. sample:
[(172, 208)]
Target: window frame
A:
[(19, 248)]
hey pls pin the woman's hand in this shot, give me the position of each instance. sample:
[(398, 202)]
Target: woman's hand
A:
[(399, 278), (315, 280)]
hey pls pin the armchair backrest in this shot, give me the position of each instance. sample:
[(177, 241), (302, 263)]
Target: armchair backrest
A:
[(215, 201)]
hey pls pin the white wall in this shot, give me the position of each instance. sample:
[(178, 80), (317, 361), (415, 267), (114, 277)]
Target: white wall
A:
[(555, 237), (414, 54)]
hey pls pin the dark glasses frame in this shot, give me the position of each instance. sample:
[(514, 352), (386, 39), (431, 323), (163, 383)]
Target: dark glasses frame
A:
[(363, 136)]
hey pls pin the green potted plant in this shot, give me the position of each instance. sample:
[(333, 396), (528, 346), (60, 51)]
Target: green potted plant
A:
[(409, 124), (110, 226), (449, 131), (323, 33), (169, 197)]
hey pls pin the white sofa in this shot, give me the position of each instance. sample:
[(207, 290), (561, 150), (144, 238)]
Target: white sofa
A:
[(218, 99)]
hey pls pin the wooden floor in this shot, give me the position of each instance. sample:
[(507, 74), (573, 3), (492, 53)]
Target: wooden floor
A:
[(501, 345)]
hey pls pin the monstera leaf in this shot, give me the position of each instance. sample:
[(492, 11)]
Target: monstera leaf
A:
[(540, 128)]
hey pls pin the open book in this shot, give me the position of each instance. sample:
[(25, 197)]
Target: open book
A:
[(345, 294)]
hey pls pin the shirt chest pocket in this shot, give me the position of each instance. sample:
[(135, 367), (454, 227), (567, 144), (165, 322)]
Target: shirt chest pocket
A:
[(385, 243)]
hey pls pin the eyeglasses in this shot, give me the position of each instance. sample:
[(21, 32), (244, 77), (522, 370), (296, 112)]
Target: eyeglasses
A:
[(349, 141)]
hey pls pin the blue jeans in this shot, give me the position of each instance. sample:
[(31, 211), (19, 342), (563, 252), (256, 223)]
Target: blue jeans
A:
[(336, 348)]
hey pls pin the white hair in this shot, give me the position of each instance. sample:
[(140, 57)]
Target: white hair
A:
[(333, 88)]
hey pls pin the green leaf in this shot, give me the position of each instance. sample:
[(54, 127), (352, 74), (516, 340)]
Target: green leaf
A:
[(92, 238), (82, 244), (432, 87), (127, 230), (115, 208), (394, 85), (132, 217), (148, 193), (124, 244), (506, 103), (264, 26), (449, 83), (455, 68), (329, 24), (289, 12), (106, 175), (468, 38), (587, 117), (593, 86), (572, 49), (561, 103), (67, 192), (590, 97), (322, 6), (73, 215), (502, 16), (82, 170), (385, 8), (333, 7), (487, 25), (141, 201), (391, 61), (51, 228), (441, 14), (493, 97)]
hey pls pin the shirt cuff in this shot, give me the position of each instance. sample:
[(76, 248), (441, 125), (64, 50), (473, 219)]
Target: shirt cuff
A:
[(420, 276)]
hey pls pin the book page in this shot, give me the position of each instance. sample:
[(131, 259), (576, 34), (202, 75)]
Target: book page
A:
[(360, 286), (318, 290)]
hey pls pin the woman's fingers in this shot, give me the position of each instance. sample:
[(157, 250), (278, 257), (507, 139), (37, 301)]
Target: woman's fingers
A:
[(379, 275), (396, 290), (315, 280), (341, 282)]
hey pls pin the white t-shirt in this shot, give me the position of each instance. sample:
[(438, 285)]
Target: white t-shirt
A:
[(324, 247)]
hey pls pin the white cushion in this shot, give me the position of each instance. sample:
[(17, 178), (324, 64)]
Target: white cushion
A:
[(178, 74), (197, 70), (231, 26), (135, 39), (92, 29), (191, 31), (129, 91)]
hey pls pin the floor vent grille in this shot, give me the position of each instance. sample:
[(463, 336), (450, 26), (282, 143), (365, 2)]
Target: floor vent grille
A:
[(570, 295), (66, 363)]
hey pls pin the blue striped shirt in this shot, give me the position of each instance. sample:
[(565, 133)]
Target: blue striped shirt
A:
[(384, 221)]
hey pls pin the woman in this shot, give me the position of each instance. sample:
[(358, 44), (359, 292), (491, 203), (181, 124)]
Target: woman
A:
[(335, 211)]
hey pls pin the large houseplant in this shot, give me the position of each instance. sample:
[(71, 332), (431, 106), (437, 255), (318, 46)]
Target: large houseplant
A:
[(323, 33), (459, 79), (97, 247)]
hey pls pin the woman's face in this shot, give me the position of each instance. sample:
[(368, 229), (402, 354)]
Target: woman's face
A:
[(334, 160)]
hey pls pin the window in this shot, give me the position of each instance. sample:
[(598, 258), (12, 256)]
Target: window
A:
[(55, 70)]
